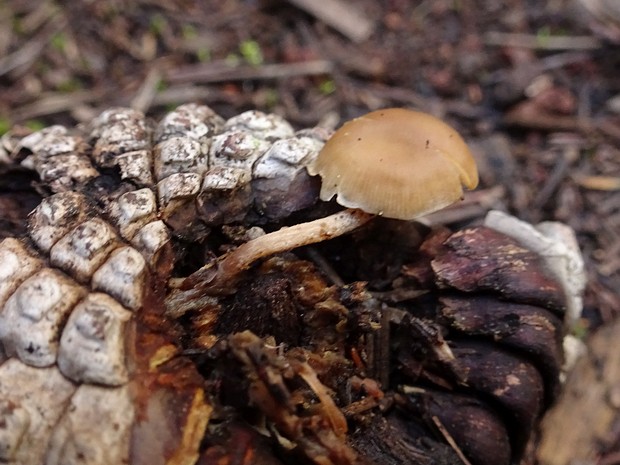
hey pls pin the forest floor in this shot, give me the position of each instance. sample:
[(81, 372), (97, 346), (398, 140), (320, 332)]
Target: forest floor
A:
[(532, 86)]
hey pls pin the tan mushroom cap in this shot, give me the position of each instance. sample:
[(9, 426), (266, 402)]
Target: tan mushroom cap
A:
[(397, 163)]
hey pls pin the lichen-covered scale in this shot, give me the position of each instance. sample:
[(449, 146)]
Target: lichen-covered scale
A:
[(16, 264), (34, 315), (151, 240), (51, 141), (133, 210), (267, 126), (198, 122), (31, 402), (95, 428), (179, 155), (136, 166), (123, 276), (54, 217), (92, 346), (122, 135), (84, 249), (176, 190)]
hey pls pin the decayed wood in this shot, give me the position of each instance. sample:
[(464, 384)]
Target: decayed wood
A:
[(589, 406)]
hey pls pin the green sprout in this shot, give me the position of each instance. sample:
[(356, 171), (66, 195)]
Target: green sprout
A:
[(59, 41), (203, 54), (34, 124), (189, 32), (580, 329), (69, 85), (272, 98), (328, 86), (161, 85), (17, 26), (251, 52), (543, 35), (157, 24), (5, 125)]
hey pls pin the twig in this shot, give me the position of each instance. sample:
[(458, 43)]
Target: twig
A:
[(146, 94), (382, 359), (401, 95), (398, 295), (206, 73), (346, 18), (600, 183), (29, 52), (56, 102), (183, 93), (220, 277), (558, 173), (450, 440), (475, 205), (529, 115), (328, 270), (506, 39), (611, 459)]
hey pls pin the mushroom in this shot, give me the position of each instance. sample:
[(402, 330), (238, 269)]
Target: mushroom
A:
[(394, 162)]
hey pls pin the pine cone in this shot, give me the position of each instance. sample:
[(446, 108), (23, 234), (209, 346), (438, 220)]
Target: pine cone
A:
[(102, 362)]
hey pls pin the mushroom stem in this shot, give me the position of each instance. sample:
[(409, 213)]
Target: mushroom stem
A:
[(220, 277)]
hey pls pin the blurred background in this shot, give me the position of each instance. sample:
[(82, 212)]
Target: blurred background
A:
[(532, 85)]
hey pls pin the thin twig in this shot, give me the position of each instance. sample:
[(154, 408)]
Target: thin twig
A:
[(450, 440), (346, 18), (507, 39), (556, 176), (220, 277), (475, 205), (146, 94), (328, 270), (30, 51), (56, 102), (205, 73), (183, 93)]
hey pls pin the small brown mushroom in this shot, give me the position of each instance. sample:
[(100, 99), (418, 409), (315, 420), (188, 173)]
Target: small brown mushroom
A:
[(395, 163)]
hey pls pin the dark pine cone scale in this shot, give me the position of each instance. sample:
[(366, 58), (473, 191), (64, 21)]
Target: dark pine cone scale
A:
[(438, 346)]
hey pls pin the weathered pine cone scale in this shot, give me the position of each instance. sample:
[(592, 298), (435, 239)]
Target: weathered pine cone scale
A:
[(101, 362)]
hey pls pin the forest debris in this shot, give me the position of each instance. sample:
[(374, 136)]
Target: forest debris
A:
[(599, 183), (511, 83), (211, 72), (319, 430), (529, 114), (347, 18), (507, 39), (559, 172), (31, 50), (475, 204), (145, 95), (582, 420), (450, 440), (478, 430), (55, 102), (602, 16), (592, 76)]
